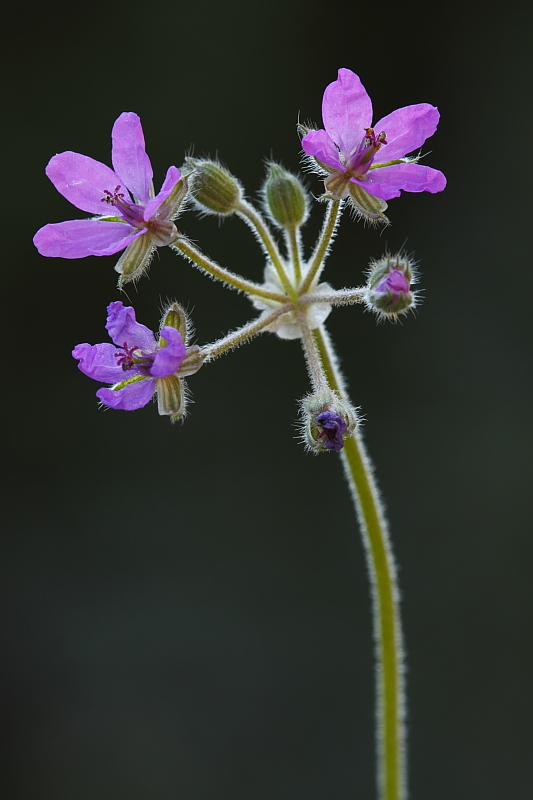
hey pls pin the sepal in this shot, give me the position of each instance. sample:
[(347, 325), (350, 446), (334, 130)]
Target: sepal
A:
[(135, 260), (171, 397)]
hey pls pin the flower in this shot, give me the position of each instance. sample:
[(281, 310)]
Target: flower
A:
[(128, 215), (348, 147), (141, 365)]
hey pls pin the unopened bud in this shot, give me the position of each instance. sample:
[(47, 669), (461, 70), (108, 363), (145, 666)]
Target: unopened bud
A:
[(213, 188), (285, 198), (327, 421), (389, 286)]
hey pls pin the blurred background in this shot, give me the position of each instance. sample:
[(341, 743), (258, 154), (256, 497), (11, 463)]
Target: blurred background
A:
[(186, 609)]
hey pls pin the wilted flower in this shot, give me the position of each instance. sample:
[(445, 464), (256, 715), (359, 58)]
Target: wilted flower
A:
[(129, 216), (138, 364), (361, 158)]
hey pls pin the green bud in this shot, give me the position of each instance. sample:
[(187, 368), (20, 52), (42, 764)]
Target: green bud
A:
[(285, 198), (214, 189)]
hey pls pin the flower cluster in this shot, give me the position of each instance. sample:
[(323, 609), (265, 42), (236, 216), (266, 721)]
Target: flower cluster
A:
[(364, 162)]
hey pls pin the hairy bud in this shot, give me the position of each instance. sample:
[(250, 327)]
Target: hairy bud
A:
[(327, 421), (213, 188), (388, 291), (285, 197)]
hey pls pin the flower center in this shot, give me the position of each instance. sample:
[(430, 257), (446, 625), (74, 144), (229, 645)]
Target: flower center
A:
[(360, 161), (127, 360), (130, 212)]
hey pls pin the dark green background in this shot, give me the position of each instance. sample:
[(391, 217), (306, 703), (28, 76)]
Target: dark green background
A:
[(186, 609)]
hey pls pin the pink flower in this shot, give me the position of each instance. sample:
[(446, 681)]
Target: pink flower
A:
[(128, 215), (361, 156), (140, 364)]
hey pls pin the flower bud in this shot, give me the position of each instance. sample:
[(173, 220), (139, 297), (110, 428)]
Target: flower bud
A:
[(213, 188), (327, 421), (389, 286), (285, 198)]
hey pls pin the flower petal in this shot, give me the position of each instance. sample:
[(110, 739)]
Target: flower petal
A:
[(78, 238), (82, 180), (346, 110), (387, 182), (123, 327), (172, 179), (131, 397), (99, 362), (168, 359), (407, 129), (129, 156), (320, 145)]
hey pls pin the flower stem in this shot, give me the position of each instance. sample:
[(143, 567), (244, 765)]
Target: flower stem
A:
[(390, 735), (242, 335), (261, 229), (293, 246), (322, 246), (196, 257)]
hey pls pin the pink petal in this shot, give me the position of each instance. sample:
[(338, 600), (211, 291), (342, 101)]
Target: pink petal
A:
[(133, 396), (346, 110), (99, 362), (168, 359), (172, 178), (123, 327), (129, 156), (387, 182), (79, 238), (321, 146), (82, 180), (407, 129)]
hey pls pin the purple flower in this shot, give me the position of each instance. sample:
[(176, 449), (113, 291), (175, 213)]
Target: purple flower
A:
[(359, 156), (138, 364), (128, 215), (333, 427)]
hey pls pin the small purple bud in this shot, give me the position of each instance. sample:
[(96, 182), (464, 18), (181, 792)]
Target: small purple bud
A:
[(389, 286), (327, 421)]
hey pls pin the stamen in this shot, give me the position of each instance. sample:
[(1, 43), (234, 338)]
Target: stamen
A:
[(126, 360), (112, 198)]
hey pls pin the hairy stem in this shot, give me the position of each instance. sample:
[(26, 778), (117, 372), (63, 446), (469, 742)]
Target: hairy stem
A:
[(390, 735), (196, 257), (293, 246), (242, 335), (261, 229), (322, 246)]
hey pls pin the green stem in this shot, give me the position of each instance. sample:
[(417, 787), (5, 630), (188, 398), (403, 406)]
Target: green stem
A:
[(324, 240), (200, 260), (385, 596), (293, 240), (259, 226)]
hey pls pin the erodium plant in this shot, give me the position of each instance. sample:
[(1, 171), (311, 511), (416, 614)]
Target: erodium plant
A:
[(362, 165)]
